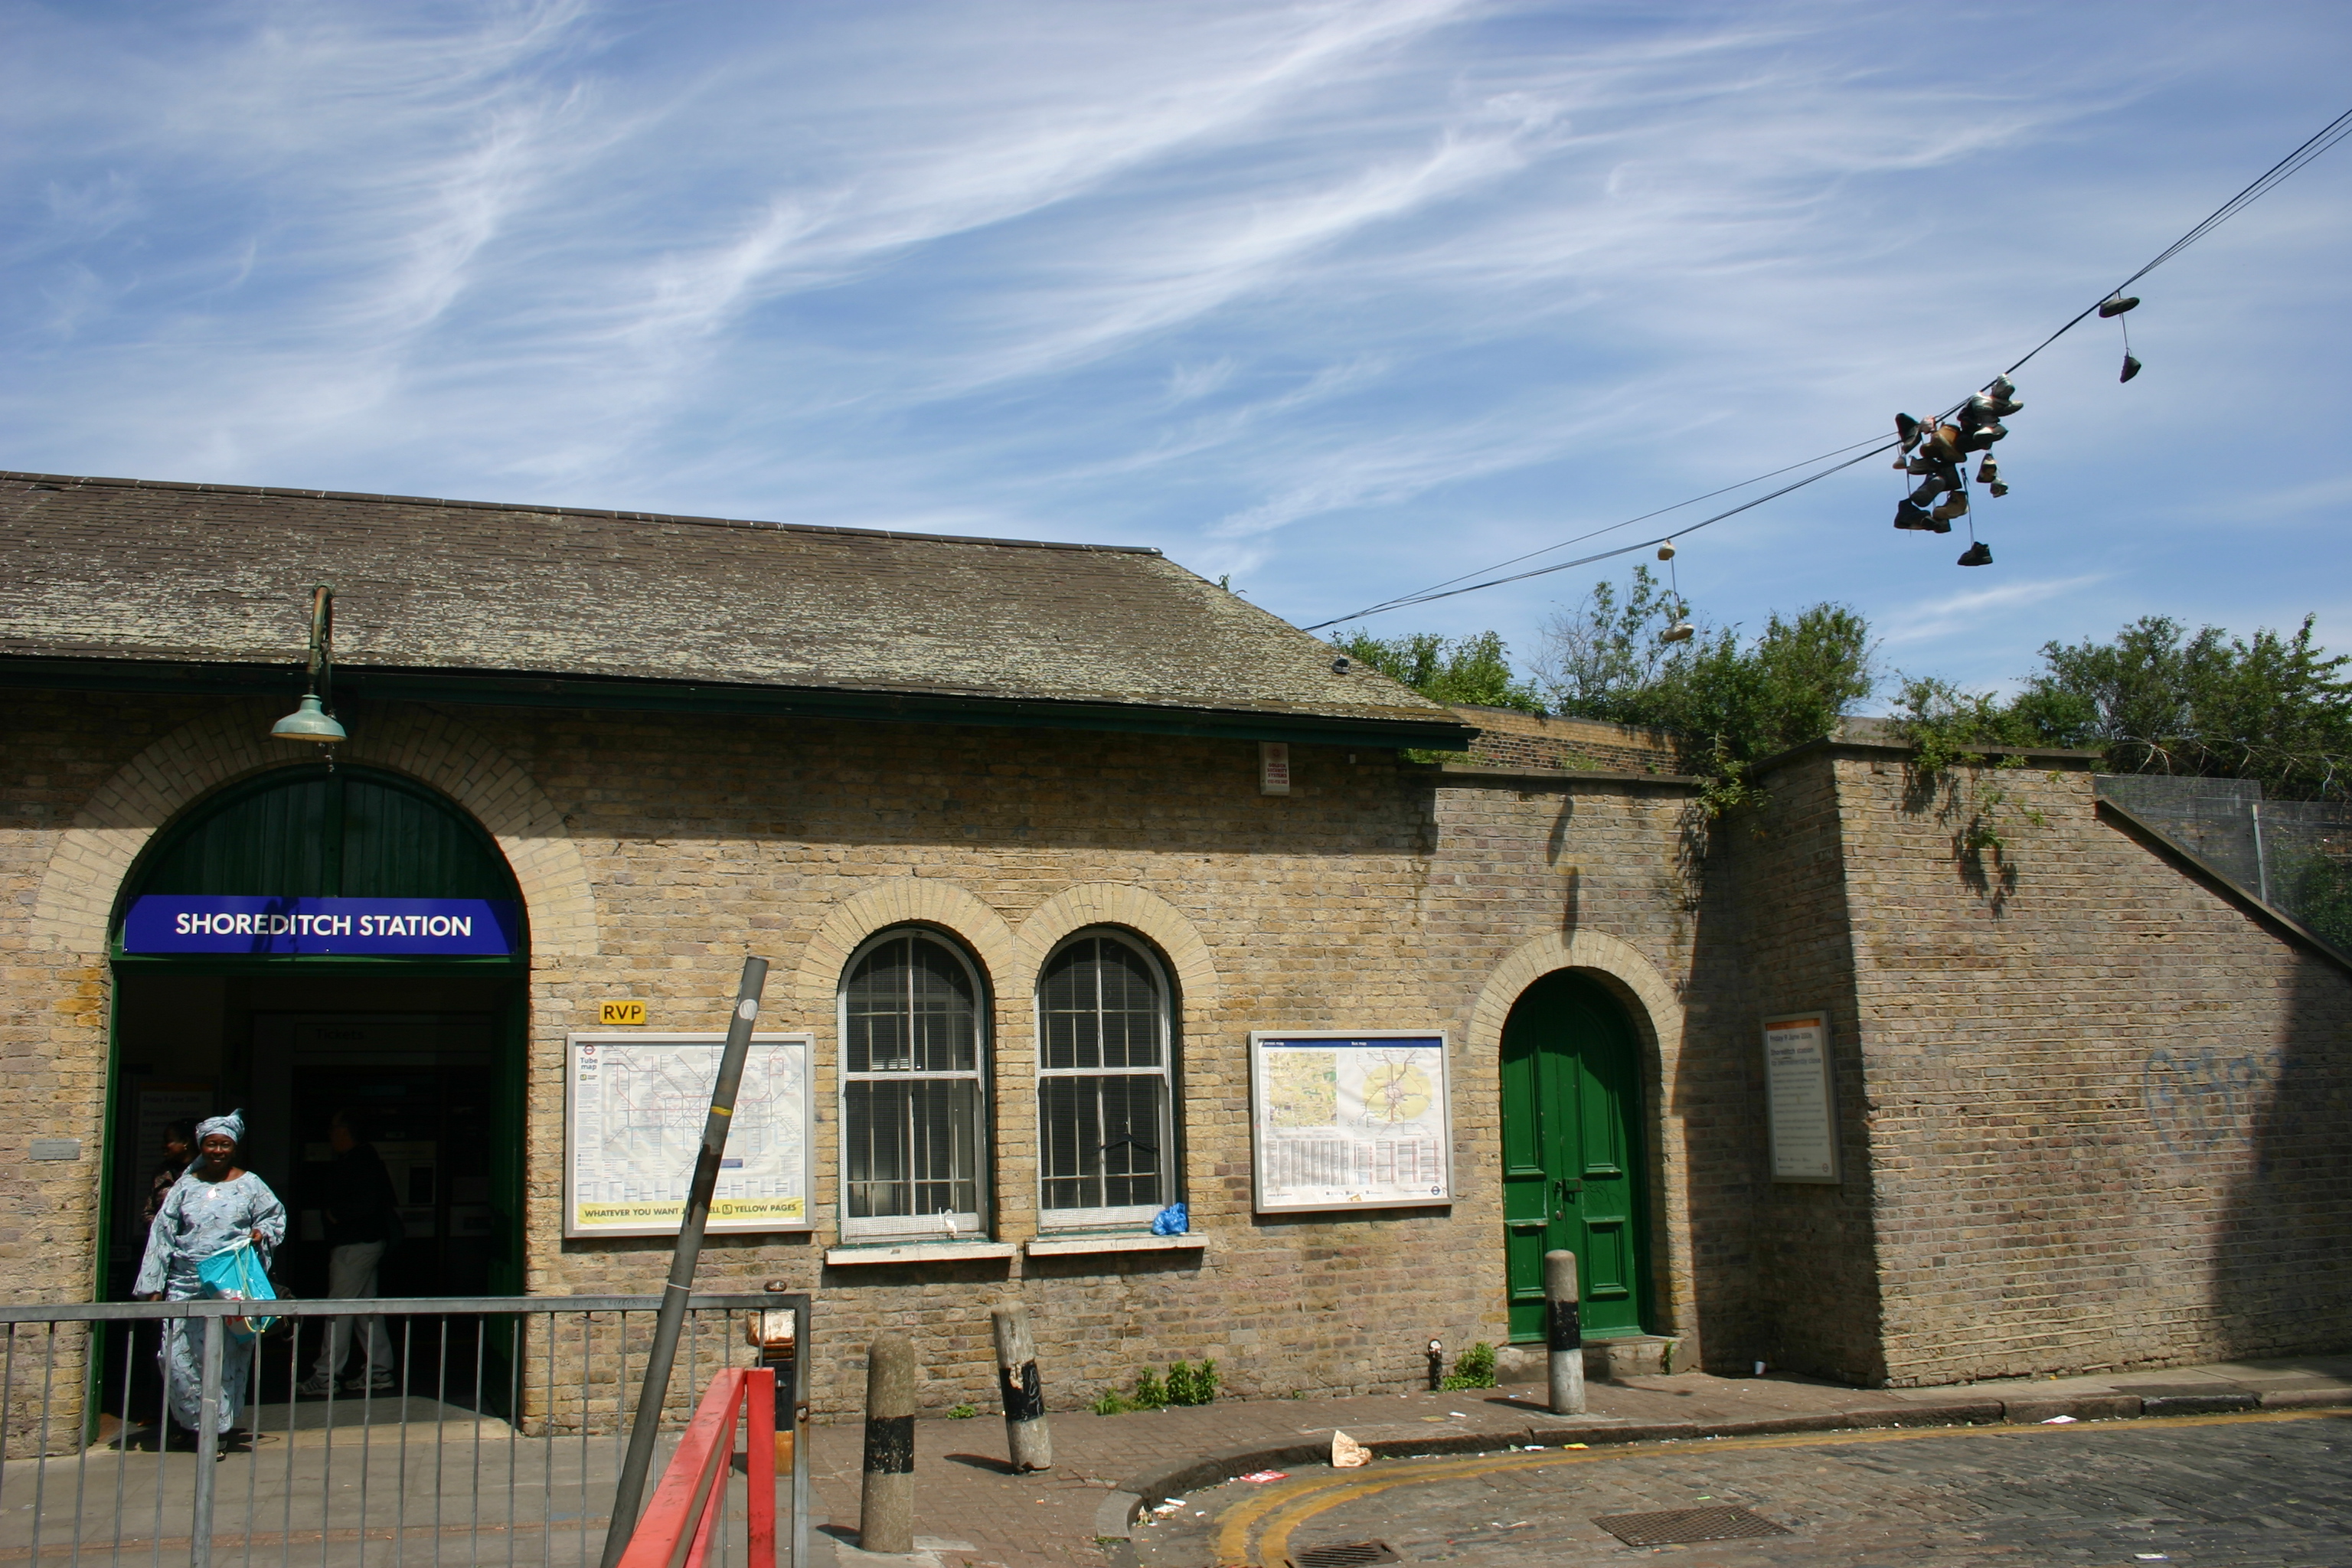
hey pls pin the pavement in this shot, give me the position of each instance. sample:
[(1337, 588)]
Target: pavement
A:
[(1850, 1471), (972, 1512)]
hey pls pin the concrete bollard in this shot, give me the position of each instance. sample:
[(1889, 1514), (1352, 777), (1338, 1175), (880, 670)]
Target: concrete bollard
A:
[(886, 1513), (1564, 1334), (1028, 1441)]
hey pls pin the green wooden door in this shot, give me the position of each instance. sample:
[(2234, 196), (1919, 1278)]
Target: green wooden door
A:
[(1571, 1154)]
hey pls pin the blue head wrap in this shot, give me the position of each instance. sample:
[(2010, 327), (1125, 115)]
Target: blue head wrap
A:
[(233, 1124)]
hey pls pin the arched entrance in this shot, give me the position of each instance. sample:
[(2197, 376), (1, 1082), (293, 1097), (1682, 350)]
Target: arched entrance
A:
[(306, 941), (1572, 1167)]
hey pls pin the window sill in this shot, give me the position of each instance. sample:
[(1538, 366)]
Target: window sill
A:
[(918, 1252), (1061, 1245)]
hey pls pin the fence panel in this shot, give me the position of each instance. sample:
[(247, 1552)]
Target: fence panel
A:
[(493, 1436)]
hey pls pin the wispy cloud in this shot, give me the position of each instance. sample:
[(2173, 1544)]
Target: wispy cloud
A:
[(1350, 295)]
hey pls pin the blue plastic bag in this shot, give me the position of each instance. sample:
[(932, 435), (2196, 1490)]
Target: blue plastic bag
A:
[(235, 1273), (1173, 1220)]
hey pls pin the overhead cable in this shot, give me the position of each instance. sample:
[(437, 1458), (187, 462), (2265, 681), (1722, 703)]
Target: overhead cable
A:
[(2327, 136)]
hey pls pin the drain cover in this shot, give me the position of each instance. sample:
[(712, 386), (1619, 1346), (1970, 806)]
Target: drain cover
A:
[(1344, 1555), (1681, 1526)]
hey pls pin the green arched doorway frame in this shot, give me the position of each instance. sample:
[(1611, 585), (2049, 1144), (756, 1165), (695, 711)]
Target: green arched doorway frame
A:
[(307, 831)]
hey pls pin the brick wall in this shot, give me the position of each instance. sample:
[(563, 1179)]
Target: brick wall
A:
[(2105, 1104), (2044, 1168), (1518, 740), (655, 852)]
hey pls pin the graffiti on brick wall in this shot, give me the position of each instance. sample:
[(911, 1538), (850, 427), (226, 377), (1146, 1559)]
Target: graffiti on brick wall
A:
[(2201, 1100)]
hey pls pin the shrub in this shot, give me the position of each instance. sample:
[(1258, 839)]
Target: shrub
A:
[(1149, 1393), (962, 1411), (1474, 1368), (1188, 1384)]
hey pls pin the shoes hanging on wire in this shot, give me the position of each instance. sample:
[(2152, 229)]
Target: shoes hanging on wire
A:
[(2115, 309), (1678, 621), (1935, 452)]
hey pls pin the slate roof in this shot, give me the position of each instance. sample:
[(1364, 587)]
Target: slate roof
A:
[(159, 575)]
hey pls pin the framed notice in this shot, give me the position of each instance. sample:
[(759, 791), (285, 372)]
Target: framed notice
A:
[(1350, 1119), (1800, 1111), (633, 1109)]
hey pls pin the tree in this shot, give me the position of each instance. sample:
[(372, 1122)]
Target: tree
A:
[(2160, 700), (1734, 702), (1474, 670)]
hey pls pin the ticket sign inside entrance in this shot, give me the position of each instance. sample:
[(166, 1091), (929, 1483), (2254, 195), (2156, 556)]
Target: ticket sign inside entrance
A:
[(262, 926), (1356, 1121), (635, 1106), (1798, 1103)]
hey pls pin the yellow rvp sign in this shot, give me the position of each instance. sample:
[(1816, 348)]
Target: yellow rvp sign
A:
[(610, 1013)]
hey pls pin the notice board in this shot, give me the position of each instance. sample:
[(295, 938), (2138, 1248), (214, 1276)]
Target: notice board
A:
[(1799, 1108), (1350, 1119), (633, 1109)]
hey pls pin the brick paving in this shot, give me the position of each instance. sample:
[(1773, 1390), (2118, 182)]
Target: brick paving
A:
[(971, 1511)]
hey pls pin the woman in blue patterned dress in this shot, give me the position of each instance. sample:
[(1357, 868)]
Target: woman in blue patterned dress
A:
[(218, 1203)]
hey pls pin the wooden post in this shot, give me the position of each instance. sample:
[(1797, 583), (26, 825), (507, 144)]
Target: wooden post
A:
[(1028, 1441), (885, 1514), (1565, 1333)]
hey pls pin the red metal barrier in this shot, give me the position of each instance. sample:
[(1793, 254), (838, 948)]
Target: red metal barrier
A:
[(682, 1520)]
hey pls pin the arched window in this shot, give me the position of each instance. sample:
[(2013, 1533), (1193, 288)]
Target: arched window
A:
[(912, 1128), (1106, 1136)]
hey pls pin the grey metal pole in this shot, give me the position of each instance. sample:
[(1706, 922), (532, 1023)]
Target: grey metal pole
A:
[(1564, 1331), (1028, 1441), (208, 1404), (886, 1507), (668, 1323)]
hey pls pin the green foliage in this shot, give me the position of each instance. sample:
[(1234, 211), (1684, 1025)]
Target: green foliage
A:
[(1188, 1384), (2319, 890), (2159, 699), (1474, 1368), (1954, 728), (1474, 670), (1185, 1385), (1149, 1393), (1734, 701), (962, 1411)]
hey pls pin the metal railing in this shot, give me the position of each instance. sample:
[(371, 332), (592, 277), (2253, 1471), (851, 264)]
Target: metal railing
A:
[(495, 1438)]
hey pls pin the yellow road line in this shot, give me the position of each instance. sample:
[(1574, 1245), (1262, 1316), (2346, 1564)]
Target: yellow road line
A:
[(1285, 1509)]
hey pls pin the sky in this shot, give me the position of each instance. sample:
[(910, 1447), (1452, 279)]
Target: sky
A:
[(1335, 300)]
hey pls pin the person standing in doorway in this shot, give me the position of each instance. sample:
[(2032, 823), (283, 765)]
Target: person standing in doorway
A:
[(218, 1204), (179, 1150), (363, 1224)]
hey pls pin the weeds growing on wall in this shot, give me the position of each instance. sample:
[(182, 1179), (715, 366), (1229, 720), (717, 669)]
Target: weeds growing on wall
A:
[(1184, 1385), (1474, 1368)]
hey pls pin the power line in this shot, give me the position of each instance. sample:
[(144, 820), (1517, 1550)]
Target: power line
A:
[(2286, 168), (1423, 598)]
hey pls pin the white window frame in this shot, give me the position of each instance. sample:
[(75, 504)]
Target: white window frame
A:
[(972, 1225), (1129, 1216)]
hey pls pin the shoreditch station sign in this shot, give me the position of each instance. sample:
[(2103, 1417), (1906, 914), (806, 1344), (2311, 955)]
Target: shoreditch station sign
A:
[(352, 928)]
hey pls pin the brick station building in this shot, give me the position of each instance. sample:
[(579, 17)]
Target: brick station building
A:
[(1001, 817)]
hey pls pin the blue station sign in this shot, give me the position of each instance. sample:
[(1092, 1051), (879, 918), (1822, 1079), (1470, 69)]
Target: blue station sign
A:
[(259, 925)]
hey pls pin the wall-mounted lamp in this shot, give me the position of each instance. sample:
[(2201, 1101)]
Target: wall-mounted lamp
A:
[(310, 721)]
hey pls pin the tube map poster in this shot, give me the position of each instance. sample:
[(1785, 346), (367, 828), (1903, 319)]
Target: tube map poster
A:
[(1351, 1120), (635, 1106)]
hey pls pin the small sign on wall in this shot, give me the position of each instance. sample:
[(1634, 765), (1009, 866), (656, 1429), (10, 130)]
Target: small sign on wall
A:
[(1273, 767), (612, 1014), (1800, 1110)]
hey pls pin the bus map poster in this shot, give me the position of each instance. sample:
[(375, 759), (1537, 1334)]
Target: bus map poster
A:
[(1349, 1120), (635, 1106)]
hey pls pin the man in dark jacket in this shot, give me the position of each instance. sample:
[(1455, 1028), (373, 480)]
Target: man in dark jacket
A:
[(363, 1223)]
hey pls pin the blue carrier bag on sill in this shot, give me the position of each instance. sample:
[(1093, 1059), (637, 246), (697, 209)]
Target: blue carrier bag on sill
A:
[(235, 1273)]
